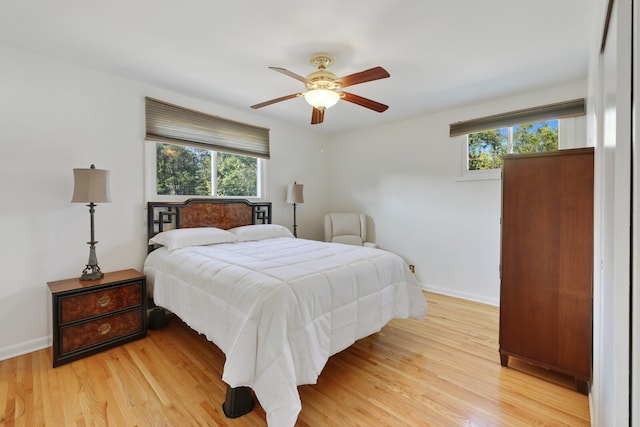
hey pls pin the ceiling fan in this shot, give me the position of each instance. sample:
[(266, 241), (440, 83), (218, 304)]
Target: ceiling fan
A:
[(323, 87)]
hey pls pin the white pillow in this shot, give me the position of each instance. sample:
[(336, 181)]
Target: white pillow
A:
[(260, 232), (183, 237)]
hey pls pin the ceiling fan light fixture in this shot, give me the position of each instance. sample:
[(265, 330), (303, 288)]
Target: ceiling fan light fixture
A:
[(322, 98)]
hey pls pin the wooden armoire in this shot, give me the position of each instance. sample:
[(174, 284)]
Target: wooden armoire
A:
[(547, 261)]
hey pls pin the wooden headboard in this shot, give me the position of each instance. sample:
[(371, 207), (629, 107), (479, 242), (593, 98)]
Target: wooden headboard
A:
[(221, 213)]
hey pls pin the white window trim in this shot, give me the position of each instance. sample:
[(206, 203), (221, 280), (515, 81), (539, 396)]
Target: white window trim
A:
[(464, 174), (151, 185)]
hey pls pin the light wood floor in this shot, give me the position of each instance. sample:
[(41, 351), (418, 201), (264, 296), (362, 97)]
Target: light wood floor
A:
[(444, 371)]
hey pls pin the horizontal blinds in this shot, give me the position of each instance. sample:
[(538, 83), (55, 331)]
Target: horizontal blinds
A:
[(177, 125), (558, 110)]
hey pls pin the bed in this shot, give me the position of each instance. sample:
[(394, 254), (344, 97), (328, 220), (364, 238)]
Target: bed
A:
[(277, 306)]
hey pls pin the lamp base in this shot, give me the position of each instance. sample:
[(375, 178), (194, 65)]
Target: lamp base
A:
[(91, 272)]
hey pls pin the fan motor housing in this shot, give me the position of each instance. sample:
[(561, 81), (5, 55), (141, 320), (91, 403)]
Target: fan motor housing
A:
[(322, 79)]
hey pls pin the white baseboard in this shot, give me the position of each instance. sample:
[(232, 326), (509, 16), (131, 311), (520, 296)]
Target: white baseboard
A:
[(463, 295), (24, 348)]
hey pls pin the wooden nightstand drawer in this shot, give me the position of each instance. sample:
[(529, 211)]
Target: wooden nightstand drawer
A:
[(100, 302), (91, 316), (86, 334)]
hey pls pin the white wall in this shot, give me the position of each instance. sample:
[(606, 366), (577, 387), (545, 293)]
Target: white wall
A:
[(405, 177), (54, 117)]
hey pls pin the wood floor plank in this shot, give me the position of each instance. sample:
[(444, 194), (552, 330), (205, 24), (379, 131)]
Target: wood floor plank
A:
[(442, 371)]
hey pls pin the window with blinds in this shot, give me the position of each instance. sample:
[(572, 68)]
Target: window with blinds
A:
[(191, 153), (530, 130)]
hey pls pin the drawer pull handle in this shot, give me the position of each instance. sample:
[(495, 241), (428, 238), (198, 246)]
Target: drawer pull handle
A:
[(104, 301), (104, 329)]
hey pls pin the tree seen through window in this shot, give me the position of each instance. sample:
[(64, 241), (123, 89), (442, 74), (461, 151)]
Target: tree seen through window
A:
[(189, 171), (485, 148)]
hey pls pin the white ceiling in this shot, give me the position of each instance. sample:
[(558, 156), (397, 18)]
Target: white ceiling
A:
[(440, 54)]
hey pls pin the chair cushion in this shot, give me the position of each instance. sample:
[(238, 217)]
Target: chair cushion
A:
[(348, 239)]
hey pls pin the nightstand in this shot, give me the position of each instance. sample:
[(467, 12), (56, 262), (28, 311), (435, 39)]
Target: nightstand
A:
[(91, 316)]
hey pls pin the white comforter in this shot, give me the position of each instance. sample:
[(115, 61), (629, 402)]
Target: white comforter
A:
[(278, 308)]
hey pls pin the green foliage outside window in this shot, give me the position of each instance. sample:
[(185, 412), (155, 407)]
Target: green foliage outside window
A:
[(485, 148), (237, 175), (184, 170)]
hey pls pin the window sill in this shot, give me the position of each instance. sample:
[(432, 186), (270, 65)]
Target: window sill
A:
[(179, 198), (483, 175)]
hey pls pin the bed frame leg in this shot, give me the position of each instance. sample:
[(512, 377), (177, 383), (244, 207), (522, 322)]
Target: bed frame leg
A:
[(156, 316), (238, 402)]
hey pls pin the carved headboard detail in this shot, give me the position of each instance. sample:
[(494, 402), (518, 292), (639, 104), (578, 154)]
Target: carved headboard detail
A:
[(221, 213)]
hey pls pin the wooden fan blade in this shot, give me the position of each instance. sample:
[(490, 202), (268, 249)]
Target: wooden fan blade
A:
[(374, 73), (273, 101), (290, 74), (364, 102), (317, 116)]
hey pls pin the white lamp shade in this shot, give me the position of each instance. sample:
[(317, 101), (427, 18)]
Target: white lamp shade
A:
[(322, 98), (294, 193), (91, 185)]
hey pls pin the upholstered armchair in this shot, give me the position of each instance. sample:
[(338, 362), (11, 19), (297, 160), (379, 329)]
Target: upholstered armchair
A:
[(347, 228)]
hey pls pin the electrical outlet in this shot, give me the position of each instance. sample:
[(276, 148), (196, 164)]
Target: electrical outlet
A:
[(412, 268)]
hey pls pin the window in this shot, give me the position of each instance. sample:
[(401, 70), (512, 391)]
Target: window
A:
[(192, 171), (531, 130), (194, 154), (485, 148)]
